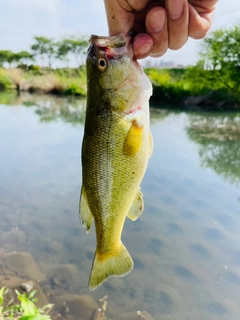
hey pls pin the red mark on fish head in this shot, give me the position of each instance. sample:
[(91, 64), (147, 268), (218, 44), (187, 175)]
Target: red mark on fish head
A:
[(108, 52)]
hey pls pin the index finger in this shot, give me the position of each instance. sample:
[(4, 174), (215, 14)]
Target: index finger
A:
[(120, 20)]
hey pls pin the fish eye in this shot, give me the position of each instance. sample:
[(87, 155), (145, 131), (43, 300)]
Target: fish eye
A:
[(102, 64)]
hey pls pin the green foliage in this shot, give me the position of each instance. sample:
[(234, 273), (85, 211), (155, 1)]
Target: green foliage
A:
[(8, 56), (220, 53), (35, 70), (2, 295), (73, 80), (74, 45), (74, 90), (62, 50), (168, 85), (217, 72), (5, 81), (26, 310), (24, 57), (158, 77), (45, 47)]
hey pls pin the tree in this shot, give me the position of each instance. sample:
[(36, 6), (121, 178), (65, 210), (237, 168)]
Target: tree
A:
[(24, 56), (221, 55), (63, 50), (76, 46), (8, 56), (44, 47)]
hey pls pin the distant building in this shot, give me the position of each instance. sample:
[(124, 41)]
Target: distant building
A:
[(148, 64), (163, 64)]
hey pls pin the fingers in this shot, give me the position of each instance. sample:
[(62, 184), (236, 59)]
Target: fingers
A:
[(168, 27), (142, 45), (120, 19), (199, 24), (160, 24), (177, 23), (156, 27), (120, 14)]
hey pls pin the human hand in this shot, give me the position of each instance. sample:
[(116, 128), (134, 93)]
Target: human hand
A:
[(159, 24)]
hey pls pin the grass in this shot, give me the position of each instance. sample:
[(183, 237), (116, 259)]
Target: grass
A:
[(70, 82), (5, 80), (24, 310)]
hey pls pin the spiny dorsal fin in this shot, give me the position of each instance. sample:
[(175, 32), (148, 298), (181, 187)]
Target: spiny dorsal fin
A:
[(137, 207), (85, 212)]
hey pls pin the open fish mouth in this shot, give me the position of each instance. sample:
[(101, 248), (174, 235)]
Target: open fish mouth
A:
[(114, 47), (111, 42)]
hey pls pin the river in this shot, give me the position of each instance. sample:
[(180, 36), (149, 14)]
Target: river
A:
[(186, 244)]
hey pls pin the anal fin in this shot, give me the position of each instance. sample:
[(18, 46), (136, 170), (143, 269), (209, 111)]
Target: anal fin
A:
[(85, 212), (137, 207)]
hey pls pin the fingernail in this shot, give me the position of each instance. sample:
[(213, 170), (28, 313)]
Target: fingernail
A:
[(157, 21), (175, 9)]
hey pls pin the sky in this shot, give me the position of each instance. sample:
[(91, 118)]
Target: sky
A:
[(21, 20)]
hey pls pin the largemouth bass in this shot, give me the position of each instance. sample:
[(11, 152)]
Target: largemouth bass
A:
[(116, 147)]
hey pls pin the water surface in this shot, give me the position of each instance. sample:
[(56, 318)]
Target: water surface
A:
[(186, 245)]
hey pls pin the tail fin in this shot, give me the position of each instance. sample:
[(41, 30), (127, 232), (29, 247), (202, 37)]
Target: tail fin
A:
[(114, 264)]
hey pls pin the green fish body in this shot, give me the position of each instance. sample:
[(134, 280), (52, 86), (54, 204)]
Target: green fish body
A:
[(116, 147)]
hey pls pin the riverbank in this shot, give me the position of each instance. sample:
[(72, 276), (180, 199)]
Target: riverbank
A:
[(190, 88), (65, 81)]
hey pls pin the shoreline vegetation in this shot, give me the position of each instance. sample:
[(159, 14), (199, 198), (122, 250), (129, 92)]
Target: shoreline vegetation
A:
[(213, 84), (175, 88)]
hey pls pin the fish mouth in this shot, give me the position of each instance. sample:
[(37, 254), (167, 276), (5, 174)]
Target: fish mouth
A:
[(110, 42), (114, 47)]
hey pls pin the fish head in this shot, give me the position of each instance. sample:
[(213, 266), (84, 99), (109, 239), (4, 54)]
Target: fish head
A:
[(114, 76)]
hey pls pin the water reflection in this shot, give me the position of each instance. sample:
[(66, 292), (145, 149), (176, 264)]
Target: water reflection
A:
[(219, 140), (49, 108), (8, 97), (186, 245)]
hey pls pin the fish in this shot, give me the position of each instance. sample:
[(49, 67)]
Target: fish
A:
[(116, 147)]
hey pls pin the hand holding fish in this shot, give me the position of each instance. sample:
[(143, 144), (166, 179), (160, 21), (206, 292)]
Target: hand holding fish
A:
[(159, 24)]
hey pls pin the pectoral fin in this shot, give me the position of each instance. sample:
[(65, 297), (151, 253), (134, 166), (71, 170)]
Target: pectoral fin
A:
[(85, 212), (133, 140), (137, 207)]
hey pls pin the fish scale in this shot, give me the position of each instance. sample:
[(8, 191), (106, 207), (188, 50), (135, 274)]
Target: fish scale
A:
[(115, 151)]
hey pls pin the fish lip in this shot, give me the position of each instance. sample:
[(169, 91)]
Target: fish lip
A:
[(116, 46), (118, 41)]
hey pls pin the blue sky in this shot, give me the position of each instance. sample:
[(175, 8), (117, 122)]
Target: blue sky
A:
[(21, 20)]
